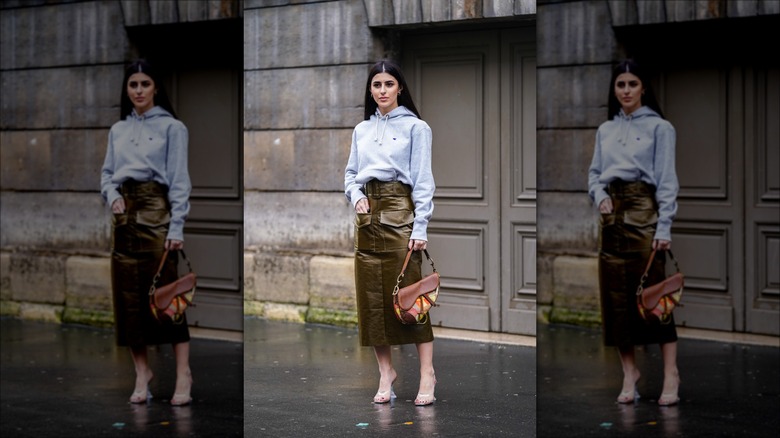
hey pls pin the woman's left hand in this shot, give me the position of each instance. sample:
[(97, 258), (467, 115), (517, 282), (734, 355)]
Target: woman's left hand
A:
[(662, 245), (174, 245), (417, 245)]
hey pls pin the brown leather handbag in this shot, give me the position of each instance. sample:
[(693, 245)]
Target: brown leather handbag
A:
[(169, 302), (657, 302), (412, 303)]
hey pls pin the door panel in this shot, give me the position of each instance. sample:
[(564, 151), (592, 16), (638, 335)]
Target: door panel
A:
[(762, 234), (518, 151), (208, 101)]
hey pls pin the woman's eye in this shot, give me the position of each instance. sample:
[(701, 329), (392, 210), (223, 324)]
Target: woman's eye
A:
[(621, 84), (132, 84)]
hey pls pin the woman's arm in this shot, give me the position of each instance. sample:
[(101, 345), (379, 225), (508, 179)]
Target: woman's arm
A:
[(352, 190), (177, 174), (423, 186), (108, 189), (665, 176)]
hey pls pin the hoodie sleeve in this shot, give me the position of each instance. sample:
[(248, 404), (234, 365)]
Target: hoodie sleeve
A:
[(351, 188), (665, 175), (423, 185), (178, 177), (108, 189), (596, 189)]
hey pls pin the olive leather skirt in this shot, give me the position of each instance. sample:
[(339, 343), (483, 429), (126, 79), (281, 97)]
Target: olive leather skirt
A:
[(381, 242), (626, 238), (137, 248)]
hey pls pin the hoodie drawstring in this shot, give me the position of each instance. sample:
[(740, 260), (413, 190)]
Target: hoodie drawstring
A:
[(377, 138), (624, 137)]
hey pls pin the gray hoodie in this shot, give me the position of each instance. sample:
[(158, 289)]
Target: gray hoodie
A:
[(395, 147), (150, 147), (638, 147)]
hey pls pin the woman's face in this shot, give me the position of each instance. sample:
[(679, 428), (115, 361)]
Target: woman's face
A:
[(141, 91), (629, 91), (385, 90)]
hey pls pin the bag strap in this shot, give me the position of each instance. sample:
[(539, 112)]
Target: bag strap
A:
[(406, 262), (162, 263), (647, 269)]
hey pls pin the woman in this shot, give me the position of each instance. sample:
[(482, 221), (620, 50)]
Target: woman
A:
[(633, 182), (388, 180), (146, 183)]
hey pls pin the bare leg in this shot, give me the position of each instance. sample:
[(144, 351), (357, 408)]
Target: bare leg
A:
[(630, 375), (143, 374), (671, 375), (427, 375), (387, 374), (181, 395)]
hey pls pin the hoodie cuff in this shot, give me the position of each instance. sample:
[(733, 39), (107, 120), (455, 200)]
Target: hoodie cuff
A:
[(356, 196), (600, 196), (112, 196)]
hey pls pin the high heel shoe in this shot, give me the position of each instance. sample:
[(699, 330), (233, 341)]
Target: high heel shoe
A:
[(138, 397), (182, 398), (382, 397), (670, 398), (426, 399), (628, 397)]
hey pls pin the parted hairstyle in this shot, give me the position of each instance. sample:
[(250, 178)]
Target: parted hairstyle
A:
[(648, 98), (391, 68), (160, 99)]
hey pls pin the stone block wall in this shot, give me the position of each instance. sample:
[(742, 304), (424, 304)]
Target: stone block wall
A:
[(577, 48), (61, 67), (305, 73)]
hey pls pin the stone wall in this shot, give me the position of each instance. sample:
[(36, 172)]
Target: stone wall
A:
[(61, 67), (305, 73), (577, 47)]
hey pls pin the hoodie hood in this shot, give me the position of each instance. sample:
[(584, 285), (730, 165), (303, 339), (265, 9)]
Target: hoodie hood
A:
[(624, 121), (379, 119)]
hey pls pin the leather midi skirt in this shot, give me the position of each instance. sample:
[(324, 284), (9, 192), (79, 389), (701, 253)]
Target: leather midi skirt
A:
[(381, 243), (625, 244), (138, 244)]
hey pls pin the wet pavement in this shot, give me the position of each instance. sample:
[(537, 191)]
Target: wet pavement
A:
[(72, 381), (727, 389), (313, 380)]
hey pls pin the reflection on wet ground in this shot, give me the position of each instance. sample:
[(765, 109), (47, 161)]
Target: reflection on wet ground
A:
[(727, 389), (72, 381), (311, 380)]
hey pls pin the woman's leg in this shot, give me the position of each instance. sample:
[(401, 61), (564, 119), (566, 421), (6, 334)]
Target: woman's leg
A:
[(143, 374), (671, 375), (387, 374), (630, 375), (427, 375), (181, 395)]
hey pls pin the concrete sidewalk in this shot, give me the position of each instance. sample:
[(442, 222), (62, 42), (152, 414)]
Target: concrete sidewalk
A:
[(727, 389), (311, 380), (72, 381)]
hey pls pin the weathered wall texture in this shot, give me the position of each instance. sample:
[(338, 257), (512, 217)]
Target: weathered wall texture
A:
[(61, 66), (577, 48), (305, 73)]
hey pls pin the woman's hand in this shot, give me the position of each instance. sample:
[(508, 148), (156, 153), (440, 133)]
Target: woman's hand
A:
[(362, 206), (606, 206), (662, 245), (118, 207), (174, 245), (417, 245)]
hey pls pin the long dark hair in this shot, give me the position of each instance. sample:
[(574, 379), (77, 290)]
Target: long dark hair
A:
[(391, 68), (648, 98), (160, 99)]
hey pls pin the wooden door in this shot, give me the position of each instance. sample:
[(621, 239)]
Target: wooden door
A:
[(476, 89), (727, 233), (203, 63)]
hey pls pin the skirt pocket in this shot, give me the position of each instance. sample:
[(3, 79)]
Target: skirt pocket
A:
[(640, 218), (153, 218), (363, 231), (396, 228)]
